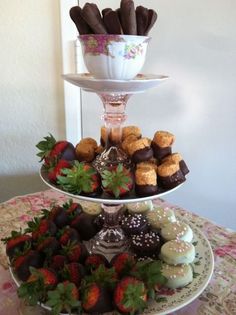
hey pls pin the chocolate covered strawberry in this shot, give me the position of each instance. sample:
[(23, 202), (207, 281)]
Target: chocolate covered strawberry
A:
[(72, 208), (96, 299), (22, 263), (56, 170), (67, 235), (65, 298), (52, 150), (73, 272), (35, 289), (93, 262), (41, 227), (57, 262), (130, 296), (75, 252), (123, 263), (58, 215), (117, 181), (48, 246), (84, 224), (16, 242), (81, 179)]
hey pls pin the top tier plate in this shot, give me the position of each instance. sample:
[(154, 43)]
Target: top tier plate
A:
[(140, 83)]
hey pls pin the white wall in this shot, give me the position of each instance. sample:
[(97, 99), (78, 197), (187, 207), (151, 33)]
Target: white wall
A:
[(195, 44), (31, 90)]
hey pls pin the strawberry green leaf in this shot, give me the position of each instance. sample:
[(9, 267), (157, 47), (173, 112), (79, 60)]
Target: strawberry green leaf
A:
[(134, 297), (150, 273)]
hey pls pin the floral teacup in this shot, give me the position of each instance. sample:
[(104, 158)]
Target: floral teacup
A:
[(117, 57)]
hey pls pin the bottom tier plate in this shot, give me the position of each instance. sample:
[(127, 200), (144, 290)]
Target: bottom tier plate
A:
[(104, 198), (176, 299)]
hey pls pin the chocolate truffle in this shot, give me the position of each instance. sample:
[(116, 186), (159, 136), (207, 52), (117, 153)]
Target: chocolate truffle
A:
[(134, 224), (170, 175), (146, 244), (177, 158), (86, 150), (140, 150), (145, 182), (131, 130), (162, 143)]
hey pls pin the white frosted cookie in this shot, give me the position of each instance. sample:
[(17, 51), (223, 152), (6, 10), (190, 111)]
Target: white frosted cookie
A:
[(177, 252), (159, 216), (177, 230), (91, 208), (177, 276), (140, 207)]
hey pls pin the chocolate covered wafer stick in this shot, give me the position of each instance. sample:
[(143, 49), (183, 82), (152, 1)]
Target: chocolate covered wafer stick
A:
[(112, 22), (142, 20), (152, 17), (81, 25), (104, 11), (128, 17), (92, 16)]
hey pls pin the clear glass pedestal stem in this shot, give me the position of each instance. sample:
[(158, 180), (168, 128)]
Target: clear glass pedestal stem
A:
[(114, 116), (111, 239)]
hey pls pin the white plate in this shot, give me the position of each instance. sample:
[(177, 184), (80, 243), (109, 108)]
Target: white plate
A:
[(140, 83), (203, 266), (104, 198)]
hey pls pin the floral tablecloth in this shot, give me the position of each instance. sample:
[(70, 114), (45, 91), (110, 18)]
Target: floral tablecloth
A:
[(219, 298)]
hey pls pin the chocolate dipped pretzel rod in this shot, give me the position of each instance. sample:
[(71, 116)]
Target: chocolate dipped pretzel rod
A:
[(112, 22), (142, 20), (81, 25), (104, 11), (92, 16), (125, 20), (128, 17), (152, 17)]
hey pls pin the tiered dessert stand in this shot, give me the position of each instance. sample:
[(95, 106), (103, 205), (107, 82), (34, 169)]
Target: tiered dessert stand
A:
[(114, 95)]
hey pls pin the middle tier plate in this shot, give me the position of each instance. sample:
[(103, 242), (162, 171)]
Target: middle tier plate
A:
[(140, 83), (104, 198)]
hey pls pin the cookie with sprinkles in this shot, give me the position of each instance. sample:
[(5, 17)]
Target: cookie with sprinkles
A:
[(177, 230), (134, 224), (177, 276), (159, 216), (177, 252), (146, 244)]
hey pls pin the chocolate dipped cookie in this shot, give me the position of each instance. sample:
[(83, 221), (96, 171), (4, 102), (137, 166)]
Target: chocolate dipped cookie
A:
[(140, 150), (131, 130), (161, 144), (134, 224), (145, 182), (146, 244), (170, 175), (177, 158), (86, 150)]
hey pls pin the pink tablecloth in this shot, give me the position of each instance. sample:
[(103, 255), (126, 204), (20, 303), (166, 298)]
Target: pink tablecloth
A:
[(218, 299)]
